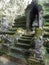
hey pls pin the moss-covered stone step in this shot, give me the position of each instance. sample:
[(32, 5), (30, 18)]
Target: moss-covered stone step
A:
[(25, 37), (1, 53), (5, 44), (23, 45), (20, 19), (1, 50), (5, 47), (14, 49), (46, 20), (22, 22), (46, 24), (46, 34), (47, 45), (46, 16), (19, 27), (24, 41), (47, 50), (13, 29), (17, 50), (7, 40), (46, 28), (46, 9), (28, 35), (46, 4), (7, 32), (34, 62)]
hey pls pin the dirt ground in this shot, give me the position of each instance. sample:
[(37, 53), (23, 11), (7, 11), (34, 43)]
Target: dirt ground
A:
[(5, 61)]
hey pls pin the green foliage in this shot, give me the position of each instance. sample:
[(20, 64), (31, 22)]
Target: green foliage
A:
[(38, 32)]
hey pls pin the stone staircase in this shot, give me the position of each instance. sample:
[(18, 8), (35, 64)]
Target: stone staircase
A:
[(46, 24), (20, 22), (19, 49), (46, 20)]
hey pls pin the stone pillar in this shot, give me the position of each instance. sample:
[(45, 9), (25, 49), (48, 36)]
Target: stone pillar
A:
[(38, 39), (41, 19)]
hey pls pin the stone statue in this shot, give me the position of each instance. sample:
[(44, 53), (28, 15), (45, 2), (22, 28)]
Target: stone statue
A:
[(34, 15), (4, 24), (35, 19)]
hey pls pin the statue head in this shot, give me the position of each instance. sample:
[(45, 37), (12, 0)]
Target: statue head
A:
[(3, 18)]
